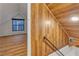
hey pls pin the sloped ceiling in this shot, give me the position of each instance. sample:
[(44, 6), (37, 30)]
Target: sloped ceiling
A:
[(63, 12)]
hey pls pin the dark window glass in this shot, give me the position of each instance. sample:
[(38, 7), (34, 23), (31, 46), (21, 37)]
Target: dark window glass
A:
[(17, 24)]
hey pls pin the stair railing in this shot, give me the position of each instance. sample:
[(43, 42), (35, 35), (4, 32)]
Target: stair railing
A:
[(52, 46)]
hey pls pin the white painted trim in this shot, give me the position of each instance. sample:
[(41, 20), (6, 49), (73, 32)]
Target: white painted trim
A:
[(29, 29)]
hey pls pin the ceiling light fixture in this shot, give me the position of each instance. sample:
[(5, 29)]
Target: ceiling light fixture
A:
[(74, 18)]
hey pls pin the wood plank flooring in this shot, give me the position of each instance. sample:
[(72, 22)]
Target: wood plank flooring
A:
[(14, 45)]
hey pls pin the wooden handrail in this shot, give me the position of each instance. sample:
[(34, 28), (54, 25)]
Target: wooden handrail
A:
[(50, 45)]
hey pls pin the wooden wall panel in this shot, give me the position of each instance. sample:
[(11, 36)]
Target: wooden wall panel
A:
[(64, 12), (13, 45), (53, 31)]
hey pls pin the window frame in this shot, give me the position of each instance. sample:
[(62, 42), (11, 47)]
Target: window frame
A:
[(17, 24)]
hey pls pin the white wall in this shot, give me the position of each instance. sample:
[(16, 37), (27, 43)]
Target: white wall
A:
[(29, 51), (67, 51), (7, 12)]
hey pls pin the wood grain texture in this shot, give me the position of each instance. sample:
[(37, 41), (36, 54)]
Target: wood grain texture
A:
[(75, 43), (53, 31), (63, 12), (14, 45)]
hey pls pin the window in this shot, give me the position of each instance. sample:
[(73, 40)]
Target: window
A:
[(17, 24)]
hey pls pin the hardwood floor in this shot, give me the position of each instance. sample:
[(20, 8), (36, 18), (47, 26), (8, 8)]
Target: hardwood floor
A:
[(14, 45)]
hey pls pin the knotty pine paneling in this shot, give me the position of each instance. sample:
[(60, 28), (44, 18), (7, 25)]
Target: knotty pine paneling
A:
[(39, 28)]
